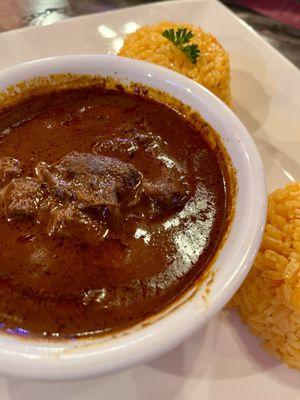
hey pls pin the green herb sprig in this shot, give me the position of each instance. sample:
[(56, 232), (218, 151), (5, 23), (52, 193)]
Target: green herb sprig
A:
[(180, 39)]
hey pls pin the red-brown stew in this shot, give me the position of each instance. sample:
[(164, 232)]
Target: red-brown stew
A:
[(112, 204)]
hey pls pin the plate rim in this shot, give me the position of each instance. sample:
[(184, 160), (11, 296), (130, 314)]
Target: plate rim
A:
[(155, 4)]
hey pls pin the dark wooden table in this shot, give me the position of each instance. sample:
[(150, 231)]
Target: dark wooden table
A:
[(19, 13)]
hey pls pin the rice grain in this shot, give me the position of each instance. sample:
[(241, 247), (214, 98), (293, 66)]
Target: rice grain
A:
[(269, 299), (212, 69)]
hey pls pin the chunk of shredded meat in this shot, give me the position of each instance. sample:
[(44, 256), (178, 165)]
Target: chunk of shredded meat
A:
[(22, 198), (91, 180), (9, 168), (69, 221), (82, 195), (167, 189)]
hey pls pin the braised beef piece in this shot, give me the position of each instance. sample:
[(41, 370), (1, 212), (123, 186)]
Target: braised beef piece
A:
[(89, 191), (22, 198), (168, 190), (166, 194), (91, 180), (87, 196), (9, 168), (69, 221), (128, 145), (76, 197)]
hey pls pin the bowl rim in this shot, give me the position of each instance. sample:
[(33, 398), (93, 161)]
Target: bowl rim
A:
[(37, 359)]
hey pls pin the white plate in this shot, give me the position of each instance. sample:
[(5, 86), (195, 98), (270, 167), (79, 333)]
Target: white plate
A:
[(223, 361)]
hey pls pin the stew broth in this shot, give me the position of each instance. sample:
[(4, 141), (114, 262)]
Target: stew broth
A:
[(112, 205)]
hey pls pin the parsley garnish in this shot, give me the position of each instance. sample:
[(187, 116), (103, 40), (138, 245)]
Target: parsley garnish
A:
[(180, 39)]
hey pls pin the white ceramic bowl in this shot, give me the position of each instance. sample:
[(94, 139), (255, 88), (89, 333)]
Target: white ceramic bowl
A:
[(84, 358)]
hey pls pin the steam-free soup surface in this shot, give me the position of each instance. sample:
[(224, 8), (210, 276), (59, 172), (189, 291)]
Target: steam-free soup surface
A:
[(111, 206)]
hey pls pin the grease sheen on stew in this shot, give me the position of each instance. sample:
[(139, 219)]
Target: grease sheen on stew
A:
[(112, 204)]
